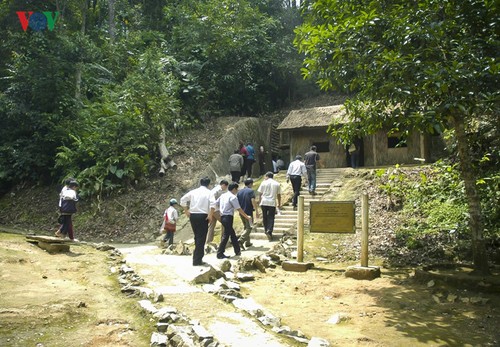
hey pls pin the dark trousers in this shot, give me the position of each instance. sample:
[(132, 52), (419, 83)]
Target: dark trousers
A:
[(311, 177), (355, 159), (262, 168), (235, 176), (67, 226), (169, 237), (199, 224), (249, 164), (268, 214), (227, 223), (296, 183)]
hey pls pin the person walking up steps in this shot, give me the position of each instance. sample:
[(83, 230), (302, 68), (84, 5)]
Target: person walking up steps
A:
[(246, 198), (196, 205), (216, 192), (250, 159), (310, 160), (296, 170), (236, 163), (270, 199), (228, 203)]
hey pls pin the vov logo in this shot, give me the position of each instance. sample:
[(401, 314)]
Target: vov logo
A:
[(37, 21)]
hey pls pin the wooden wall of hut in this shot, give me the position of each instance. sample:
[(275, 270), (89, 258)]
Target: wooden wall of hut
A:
[(302, 140), (377, 150)]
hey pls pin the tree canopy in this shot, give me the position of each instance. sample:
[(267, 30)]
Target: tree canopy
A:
[(428, 65), (89, 94)]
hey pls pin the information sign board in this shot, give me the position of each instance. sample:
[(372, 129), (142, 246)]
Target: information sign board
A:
[(332, 217)]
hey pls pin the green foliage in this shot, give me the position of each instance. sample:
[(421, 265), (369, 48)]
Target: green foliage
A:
[(116, 138), (238, 59), (411, 64), (90, 102), (432, 200), (424, 65)]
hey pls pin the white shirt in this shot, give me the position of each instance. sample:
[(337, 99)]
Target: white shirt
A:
[(296, 168), (172, 214), (269, 190), (228, 202), (198, 200), (61, 195), (215, 193), (68, 194)]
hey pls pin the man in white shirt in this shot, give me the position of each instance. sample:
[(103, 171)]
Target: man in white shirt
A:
[(296, 170), (197, 208), (228, 203), (216, 192), (270, 199)]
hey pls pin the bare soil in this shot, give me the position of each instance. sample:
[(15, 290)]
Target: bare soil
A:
[(73, 300), (394, 310), (66, 299)]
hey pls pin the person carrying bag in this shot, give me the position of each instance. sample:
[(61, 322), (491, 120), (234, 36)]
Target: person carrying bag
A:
[(169, 225)]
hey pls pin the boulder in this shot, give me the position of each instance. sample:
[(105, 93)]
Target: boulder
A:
[(363, 272)]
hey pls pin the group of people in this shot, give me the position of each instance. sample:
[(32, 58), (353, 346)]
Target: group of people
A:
[(204, 207), (242, 160)]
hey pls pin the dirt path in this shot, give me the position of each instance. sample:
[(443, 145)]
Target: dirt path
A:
[(73, 300)]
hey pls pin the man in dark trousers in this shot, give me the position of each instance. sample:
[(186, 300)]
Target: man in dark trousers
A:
[(227, 204), (270, 201), (296, 170), (197, 208), (246, 198), (310, 160)]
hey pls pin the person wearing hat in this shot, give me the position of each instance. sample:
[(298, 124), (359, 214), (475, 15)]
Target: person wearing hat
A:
[(170, 218), (296, 170)]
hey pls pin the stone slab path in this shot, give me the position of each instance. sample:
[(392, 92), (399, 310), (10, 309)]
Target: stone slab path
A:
[(170, 275)]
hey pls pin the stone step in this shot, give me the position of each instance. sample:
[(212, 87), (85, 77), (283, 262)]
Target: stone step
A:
[(285, 219), (262, 236), (276, 228)]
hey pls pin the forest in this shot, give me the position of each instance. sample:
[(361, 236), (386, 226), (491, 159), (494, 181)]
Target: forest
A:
[(89, 92), (87, 88)]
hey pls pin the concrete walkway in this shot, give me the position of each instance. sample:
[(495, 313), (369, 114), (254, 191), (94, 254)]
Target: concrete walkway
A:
[(170, 275)]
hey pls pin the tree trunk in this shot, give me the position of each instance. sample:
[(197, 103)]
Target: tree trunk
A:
[(166, 161), (79, 65), (480, 257), (111, 20)]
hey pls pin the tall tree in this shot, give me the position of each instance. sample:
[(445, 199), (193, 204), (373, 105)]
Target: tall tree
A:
[(426, 64)]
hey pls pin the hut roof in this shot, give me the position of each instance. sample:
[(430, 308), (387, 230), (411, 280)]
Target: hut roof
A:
[(317, 117)]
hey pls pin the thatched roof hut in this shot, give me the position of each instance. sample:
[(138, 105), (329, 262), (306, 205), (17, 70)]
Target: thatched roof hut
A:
[(311, 118), (306, 127)]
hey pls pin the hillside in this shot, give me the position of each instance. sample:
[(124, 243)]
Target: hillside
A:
[(133, 216)]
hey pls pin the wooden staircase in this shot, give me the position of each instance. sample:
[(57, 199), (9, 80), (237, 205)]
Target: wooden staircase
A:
[(286, 220)]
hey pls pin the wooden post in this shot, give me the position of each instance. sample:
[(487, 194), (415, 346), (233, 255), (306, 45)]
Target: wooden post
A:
[(364, 231), (300, 230)]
